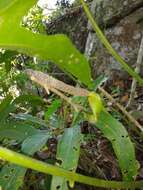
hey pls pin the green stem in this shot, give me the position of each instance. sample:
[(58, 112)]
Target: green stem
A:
[(34, 164), (106, 43)]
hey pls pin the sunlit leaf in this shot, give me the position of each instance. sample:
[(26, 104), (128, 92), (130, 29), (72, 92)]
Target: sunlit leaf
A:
[(6, 4), (67, 57)]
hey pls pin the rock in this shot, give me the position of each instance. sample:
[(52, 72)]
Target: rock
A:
[(122, 23), (109, 12), (74, 25), (124, 37)]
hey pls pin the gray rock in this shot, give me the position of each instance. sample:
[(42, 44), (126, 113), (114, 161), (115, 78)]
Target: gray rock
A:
[(109, 12), (74, 25), (124, 37), (122, 23)]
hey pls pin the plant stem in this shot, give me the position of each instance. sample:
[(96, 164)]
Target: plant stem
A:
[(137, 69), (108, 46), (122, 109), (34, 164)]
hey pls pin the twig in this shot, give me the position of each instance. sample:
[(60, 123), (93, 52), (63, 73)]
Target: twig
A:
[(137, 69), (76, 107), (121, 108)]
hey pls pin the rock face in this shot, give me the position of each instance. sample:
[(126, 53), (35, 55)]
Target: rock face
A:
[(73, 24), (122, 23), (109, 12), (124, 36)]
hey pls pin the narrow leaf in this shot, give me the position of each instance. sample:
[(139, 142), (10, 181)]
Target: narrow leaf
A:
[(67, 57), (30, 119), (52, 108), (113, 130), (68, 154), (122, 145), (5, 108), (99, 81), (27, 98)]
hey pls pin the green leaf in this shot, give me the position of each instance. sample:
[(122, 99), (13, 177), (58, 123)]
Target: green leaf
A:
[(27, 98), (35, 142), (67, 57), (68, 151), (8, 66), (69, 148), (122, 145), (6, 58), (16, 131), (34, 164), (117, 135), (96, 104), (52, 108), (5, 108), (12, 9), (59, 183), (19, 132), (11, 177), (6, 4), (99, 81), (30, 119), (7, 105)]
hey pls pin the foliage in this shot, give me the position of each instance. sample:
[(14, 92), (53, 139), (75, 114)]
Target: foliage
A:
[(68, 151), (63, 3), (26, 130), (44, 46), (63, 7), (33, 20)]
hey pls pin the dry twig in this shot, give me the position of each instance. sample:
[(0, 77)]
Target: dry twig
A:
[(137, 69), (121, 108)]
